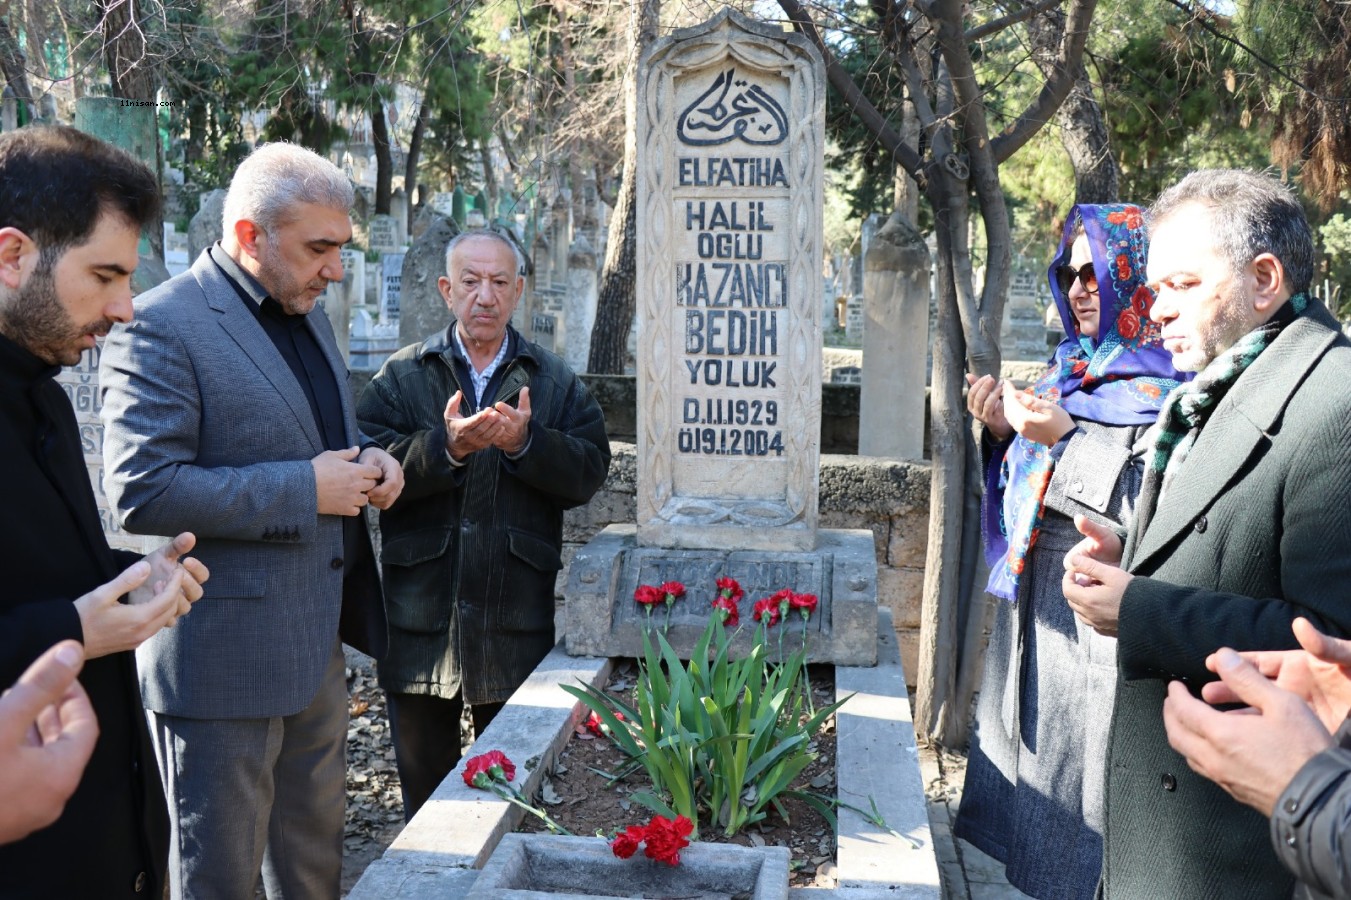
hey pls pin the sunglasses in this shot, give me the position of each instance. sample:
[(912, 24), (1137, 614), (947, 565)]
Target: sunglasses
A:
[(1066, 275)]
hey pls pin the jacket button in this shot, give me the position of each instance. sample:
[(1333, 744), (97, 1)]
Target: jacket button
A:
[(139, 886), (1169, 782), (1292, 805), (1078, 487), (1202, 525), (336, 564)]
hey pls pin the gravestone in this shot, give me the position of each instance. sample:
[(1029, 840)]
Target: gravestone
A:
[(422, 309), (341, 297), (846, 375), (853, 318), (391, 277), (1022, 334), (579, 303), (895, 342), (384, 231), (730, 156), (207, 226), (81, 384), (542, 328), (729, 251)]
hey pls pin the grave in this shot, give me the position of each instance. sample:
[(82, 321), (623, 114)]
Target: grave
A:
[(81, 384), (384, 234), (729, 388), (391, 281), (895, 342), (1023, 332), (422, 309)]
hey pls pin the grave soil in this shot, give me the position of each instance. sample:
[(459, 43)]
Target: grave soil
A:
[(582, 801)]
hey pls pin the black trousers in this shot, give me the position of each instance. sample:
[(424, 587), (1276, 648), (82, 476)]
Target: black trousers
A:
[(426, 734)]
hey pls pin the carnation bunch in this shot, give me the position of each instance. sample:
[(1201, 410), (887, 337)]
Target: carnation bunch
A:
[(662, 839)]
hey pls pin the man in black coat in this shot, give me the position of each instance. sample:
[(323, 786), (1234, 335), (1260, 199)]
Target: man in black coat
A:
[(497, 437), (1243, 522), (71, 211)]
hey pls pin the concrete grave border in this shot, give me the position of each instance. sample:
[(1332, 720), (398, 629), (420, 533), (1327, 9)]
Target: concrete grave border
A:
[(440, 852)]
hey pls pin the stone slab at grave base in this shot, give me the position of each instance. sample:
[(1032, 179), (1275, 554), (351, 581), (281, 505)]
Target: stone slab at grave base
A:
[(602, 619), (560, 867)]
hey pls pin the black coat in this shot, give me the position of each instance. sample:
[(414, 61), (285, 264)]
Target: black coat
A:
[(1254, 531), (113, 834), (470, 554)]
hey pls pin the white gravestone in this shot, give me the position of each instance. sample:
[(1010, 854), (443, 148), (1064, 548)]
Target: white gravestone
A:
[(730, 143), (81, 384), (391, 280), (384, 233)]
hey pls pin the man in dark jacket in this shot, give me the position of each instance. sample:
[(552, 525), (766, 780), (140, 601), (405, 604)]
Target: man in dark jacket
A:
[(1243, 522), (497, 437), (1285, 751), (65, 277)]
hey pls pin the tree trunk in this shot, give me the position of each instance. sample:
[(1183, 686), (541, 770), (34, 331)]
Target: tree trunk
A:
[(15, 66), (424, 114), (489, 177), (384, 164), (1083, 131), (615, 302)]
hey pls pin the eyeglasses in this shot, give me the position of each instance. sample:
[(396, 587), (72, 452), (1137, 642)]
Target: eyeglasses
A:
[(1066, 275)]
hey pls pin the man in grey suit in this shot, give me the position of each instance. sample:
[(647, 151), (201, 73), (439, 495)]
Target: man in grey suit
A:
[(1243, 522), (226, 406)]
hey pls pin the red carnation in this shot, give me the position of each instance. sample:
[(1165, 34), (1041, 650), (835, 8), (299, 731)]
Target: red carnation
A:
[(648, 595), (766, 610), (804, 602), (480, 771), (728, 610), (671, 591), (728, 588), (596, 725), (664, 838), (626, 842)]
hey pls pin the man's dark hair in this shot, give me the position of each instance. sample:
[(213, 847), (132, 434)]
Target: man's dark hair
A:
[(1250, 214), (55, 183)]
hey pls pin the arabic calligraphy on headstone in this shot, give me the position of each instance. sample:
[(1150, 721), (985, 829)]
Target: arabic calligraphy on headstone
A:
[(749, 113)]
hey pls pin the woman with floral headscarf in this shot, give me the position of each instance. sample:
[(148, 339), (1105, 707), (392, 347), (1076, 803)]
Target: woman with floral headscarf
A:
[(1072, 444)]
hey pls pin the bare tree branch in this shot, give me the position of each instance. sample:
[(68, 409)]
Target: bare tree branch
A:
[(1022, 15)]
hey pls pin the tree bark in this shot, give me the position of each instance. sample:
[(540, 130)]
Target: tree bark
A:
[(384, 163), (424, 114), (615, 302), (1083, 130), (15, 66)]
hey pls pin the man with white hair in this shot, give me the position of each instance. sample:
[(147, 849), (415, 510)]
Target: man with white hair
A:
[(498, 437), (226, 406)]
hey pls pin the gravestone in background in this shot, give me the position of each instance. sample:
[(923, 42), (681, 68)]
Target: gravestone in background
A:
[(730, 156), (422, 309), (391, 277), (81, 384), (206, 226), (384, 234), (895, 342)]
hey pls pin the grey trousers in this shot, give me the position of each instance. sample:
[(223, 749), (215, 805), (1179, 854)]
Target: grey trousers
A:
[(257, 794)]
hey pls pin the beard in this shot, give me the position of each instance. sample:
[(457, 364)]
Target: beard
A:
[(35, 320), (1231, 322), (287, 290)]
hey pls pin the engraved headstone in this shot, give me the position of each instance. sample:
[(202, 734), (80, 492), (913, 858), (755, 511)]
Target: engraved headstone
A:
[(542, 328), (81, 384), (846, 375), (730, 136), (391, 277), (384, 232), (730, 143), (1022, 333)]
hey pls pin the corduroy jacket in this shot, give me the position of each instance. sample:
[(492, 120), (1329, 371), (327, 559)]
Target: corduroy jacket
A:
[(470, 553)]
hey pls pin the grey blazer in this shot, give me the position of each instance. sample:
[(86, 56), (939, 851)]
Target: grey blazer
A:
[(207, 430)]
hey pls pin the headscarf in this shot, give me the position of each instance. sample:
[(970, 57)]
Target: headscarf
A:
[(1121, 378)]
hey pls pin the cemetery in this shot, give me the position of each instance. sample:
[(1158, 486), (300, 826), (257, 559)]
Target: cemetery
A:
[(784, 408)]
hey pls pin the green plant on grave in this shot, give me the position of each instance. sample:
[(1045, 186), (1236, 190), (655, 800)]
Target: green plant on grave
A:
[(721, 738)]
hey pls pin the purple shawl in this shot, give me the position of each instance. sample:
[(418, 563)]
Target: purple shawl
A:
[(1121, 378)]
